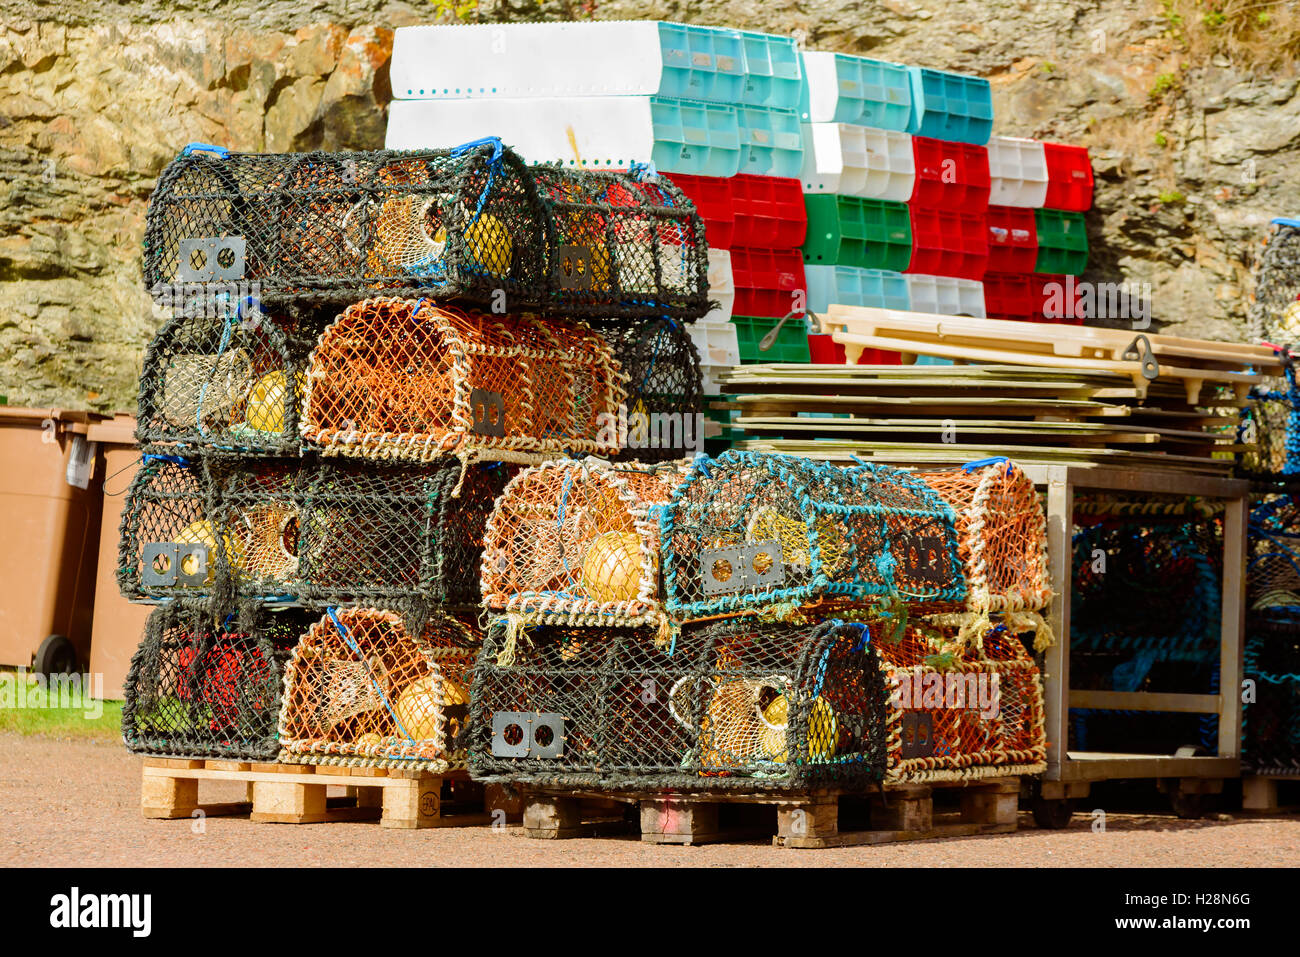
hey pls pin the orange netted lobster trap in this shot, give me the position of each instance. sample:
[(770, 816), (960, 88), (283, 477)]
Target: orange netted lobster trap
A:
[(734, 704), (1002, 540), (574, 542), (472, 223), (958, 713), (403, 379), (361, 690)]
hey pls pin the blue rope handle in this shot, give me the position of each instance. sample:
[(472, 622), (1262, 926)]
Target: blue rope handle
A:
[(333, 613), (174, 459), (196, 147), (494, 164)]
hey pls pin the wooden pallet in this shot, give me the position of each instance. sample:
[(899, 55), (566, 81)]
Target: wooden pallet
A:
[(296, 794), (1270, 793), (806, 819)]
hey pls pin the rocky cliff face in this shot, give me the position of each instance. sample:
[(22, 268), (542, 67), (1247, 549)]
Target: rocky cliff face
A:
[(1195, 142)]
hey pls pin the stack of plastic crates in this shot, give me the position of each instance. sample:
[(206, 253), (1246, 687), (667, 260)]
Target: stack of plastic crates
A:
[(1145, 616), (363, 350), (734, 623), (1271, 713)]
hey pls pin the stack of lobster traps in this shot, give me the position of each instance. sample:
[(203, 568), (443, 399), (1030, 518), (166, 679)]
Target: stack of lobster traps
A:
[(361, 351)]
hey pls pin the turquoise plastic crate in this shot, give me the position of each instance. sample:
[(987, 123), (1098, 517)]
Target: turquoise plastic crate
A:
[(702, 63), (951, 106), (866, 92), (773, 72), (791, 342), (691, 136), (771, 141), (852, 286)]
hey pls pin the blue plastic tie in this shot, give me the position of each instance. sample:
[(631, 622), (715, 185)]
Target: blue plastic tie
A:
[(174, 459), (645, 173), (196, 147), (991, 460)]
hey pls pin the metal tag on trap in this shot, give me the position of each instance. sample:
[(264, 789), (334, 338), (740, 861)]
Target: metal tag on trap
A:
[(527, 734), (211, 259), (742, 567), (173, 563), (918, 734)]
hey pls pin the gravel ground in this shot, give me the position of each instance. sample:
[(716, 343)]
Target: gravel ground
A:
[(77, 804)]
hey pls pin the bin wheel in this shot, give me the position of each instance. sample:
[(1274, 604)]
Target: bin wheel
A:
[(1053, 814), (56, 656)]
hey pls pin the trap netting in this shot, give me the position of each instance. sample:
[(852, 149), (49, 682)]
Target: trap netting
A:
[(625, 246), (1270, 425), (1271, 721), (1002, 540), (665, 394), (750, 529), (233, 383), (298, 530), (363, 691), (740, 704), (410, 380), (199, 687), (1273, 315), (574, 542), (1273, 562), (957, 712), (333, 227)]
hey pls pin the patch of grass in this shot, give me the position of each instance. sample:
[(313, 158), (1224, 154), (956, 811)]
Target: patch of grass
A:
[(95, 720), (1047, 66), (1170, 197), (1254, 33), (1163, 84), (1161, 139)]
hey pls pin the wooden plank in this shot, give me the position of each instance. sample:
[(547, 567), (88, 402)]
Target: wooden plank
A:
[(670, 820), (1233, 623), (1060, 557), (1146, 701), (1097, 766)]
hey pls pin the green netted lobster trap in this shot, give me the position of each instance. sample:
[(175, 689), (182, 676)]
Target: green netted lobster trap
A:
[(737, 704), (471, 223), (664, 411), (204, 687), (299, 531), (362, 690), (1271, 718)]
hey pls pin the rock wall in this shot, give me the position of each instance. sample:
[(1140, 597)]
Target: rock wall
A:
[(1194, 151)]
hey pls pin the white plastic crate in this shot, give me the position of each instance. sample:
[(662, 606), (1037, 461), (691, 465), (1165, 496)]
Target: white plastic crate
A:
[(711, 380), (854, 286), (595, 132), (1018, 172), (857, 161), (715, 341), (840, 88), (599, 58), (946, 296), (722, 287)]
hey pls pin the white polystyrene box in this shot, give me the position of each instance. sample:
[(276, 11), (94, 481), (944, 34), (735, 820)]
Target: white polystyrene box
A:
[(946, 295), (857, 161), (1017, 172)]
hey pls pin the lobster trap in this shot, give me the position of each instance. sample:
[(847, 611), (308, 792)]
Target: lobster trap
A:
[(1273, 563), (1271, 720), (958, 713), (748, 529), (471, 222), (1273, 315), (737, 704), (574, 542), (665, 393), (396, 379), (361, 690), (228, 382), (1270, 425), (198, 687)]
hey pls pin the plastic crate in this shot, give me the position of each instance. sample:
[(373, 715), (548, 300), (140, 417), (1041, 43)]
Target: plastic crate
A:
[(851, 286), (826, 351), (722, 287), (595, 132), (850, 231), (1017, 172), (769, 282), (773, 72), (839, 88), (715, 342), (948, 243), (1058, 299), (771, 141), (857, 161), (1013, 239), (946, 296), (612, 58), (1069, 177), (950, 175), (1012, 296), (791, 343), (950, 106), (769, 211), (712, 196), (1062, 242)]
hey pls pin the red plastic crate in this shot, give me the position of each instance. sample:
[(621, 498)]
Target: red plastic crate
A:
[(949, 175), (1052, 290), (826, 351), (1012, 295), (769, 211), (713, 199), (1013, 239), (948, 243), (766, 281), (1069, 177)]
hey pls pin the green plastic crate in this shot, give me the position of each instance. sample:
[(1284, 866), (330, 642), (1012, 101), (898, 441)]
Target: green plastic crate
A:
[(1062, 242), (850, 231), (791, 342)]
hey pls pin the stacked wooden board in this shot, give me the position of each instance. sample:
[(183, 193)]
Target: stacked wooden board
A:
[(1047, 410)]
